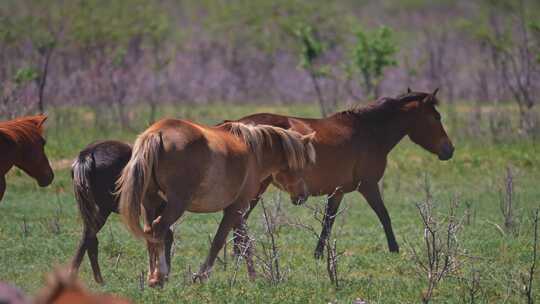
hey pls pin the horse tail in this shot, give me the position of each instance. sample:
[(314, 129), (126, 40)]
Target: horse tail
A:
[(132, 185), (81, 173)]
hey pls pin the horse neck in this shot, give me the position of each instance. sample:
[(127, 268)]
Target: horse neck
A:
[(392, 133), (387, 133), (272, 159)]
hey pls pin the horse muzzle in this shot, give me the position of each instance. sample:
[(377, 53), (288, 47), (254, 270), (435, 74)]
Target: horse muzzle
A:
[(47, 180), (446, 152)]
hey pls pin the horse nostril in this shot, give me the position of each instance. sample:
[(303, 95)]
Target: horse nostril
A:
[(447, 151)]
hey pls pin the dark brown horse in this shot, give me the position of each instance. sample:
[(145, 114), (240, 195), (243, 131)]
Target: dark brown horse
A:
[(201, 169), (352, 149), (94, 174), (22, 145)]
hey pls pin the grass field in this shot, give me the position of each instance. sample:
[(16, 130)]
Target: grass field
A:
[(40, 228)]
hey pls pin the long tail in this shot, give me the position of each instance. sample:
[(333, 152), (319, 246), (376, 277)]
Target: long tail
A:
[(81, 171), (136, 176)]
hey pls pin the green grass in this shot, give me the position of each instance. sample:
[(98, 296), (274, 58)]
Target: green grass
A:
[(366, 269)]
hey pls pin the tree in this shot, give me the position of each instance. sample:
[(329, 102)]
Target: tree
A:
[(312, 50), (373, 53), (513, 43)]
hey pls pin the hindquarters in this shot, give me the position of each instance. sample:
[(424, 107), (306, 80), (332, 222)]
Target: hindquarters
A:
[(94, 174)]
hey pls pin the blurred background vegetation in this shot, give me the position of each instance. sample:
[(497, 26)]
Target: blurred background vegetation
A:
[(116, 56)]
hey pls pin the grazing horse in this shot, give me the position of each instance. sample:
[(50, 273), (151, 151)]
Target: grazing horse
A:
[(202, 169), (352, 148), (94, 173), (64, 288), (22, 145)]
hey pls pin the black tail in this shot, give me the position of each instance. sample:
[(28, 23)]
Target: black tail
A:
[(81, 171)]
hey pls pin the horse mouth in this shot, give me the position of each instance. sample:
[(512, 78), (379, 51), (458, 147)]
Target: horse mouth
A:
[(446, 152), (446, 155), (44, 182)]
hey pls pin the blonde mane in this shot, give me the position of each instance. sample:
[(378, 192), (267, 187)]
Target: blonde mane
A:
[(298, 154)]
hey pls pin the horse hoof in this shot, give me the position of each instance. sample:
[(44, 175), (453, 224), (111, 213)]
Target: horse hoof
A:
[(154, 282), (99, 280), (318, 254), (298, 200), (200, 276)]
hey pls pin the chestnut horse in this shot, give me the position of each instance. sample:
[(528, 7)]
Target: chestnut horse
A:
[(94, 173), (352, 149), (63, 287), (22, 145), (202, 169)]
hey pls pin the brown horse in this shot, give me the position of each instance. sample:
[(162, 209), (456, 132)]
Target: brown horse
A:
[(63, 287), (22, 145), (202, 169), (94, 173), (352, 148)]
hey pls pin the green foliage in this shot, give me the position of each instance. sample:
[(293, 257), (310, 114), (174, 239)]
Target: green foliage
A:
[(270, 25), (25, 75), (374, 51), (113, 25), (312, 47), (535, 30)]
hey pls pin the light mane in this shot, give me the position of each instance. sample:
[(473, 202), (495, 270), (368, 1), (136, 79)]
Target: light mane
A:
[(298, 154), (23, 130)]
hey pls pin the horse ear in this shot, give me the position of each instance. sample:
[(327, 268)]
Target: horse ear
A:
[(408, 90), (308, 138), (41, 119)]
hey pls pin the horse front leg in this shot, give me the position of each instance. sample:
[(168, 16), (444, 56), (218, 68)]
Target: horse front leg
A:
[(232, 216), (332, 207), (370, 191), (2, 187)]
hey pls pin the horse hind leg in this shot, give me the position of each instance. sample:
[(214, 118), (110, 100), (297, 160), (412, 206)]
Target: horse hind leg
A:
[(328, 221), (174, 209), (169, 240), (239, 241), (90, 244), (244, 247)]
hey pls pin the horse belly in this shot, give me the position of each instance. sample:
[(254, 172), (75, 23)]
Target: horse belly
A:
[(217, 191)]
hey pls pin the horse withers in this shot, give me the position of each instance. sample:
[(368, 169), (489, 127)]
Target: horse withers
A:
[(23, 146), (352, 148), (94, 173), (202, 169)]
